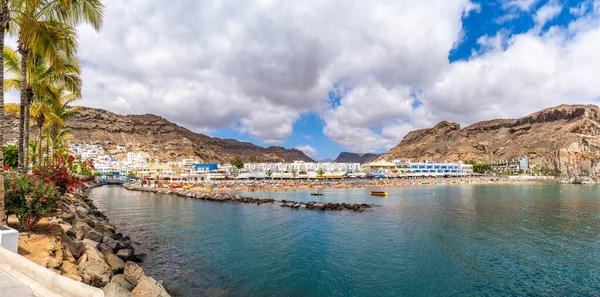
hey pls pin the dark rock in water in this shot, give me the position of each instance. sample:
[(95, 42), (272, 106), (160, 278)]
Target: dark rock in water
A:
[(125, 254)]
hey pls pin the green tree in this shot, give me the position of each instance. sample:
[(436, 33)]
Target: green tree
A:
[(52, 88), (254, 159), (269, 172), (481, 168), (46, 28), (321, 173), (11, 155), (237, 162), (131, 175)]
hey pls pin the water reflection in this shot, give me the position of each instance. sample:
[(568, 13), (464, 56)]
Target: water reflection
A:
[(443, 241)]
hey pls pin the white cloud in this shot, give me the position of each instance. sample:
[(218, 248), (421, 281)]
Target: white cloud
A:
[(524, 5), (547, 13), (258, 65), (472, 7), (308, 150), (533, 72)]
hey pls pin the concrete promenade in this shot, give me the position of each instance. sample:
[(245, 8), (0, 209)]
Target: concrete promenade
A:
[(10, 287)]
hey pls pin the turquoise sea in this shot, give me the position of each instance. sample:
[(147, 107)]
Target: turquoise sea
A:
[(468, 240)]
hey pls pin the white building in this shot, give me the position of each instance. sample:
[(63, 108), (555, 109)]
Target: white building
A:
[(302, 168)]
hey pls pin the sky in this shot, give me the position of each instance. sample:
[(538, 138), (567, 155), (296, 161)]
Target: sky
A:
[(326, 77)]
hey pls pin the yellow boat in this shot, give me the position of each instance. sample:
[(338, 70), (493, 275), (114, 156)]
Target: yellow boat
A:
[(379, 193)]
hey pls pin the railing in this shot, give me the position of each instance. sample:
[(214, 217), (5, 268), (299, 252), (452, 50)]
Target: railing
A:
[(42, 280)]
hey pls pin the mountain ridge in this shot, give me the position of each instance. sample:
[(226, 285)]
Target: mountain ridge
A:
[(158, 137), (346, 157), (565, 137)]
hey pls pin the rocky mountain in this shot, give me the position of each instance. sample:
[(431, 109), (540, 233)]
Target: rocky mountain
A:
[(565, 137), (159, 138), (345, 157)]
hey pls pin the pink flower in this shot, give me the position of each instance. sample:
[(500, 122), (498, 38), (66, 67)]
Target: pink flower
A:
[(9, 191), (27, 199)]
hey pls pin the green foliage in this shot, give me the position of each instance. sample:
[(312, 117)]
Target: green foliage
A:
[(237, 162), (481, 168), (254, 159), (269, 172), (29, 197), (321, 173), (131, 175), (302, 171), (11, 155)]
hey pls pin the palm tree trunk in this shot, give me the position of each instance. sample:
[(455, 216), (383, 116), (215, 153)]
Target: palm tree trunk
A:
[(4, 19), (40, 124), (24, 57), (47, 147), (29, 94), (26, 139)]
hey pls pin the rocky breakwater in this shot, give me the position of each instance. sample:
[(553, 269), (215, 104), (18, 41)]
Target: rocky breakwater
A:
[(234, 198), (103, 258)]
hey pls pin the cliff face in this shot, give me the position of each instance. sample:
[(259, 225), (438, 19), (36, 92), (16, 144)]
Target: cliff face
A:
[(157, 137), (564, 137), (345, 157)]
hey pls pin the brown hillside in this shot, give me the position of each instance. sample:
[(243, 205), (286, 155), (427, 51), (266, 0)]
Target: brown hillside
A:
[(564, 137), (158, 137)]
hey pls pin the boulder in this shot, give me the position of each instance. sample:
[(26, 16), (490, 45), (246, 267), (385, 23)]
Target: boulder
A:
[(91, 243), (133, 273), (94, 235), (116, 264), (75, 247), (95, 273), (148, 287), (81, 229), (120, 280), (114, 244), (67, 216), (125, 254), (103, 248), (115, 290), (66, 228), (92, 252), (82, 210)]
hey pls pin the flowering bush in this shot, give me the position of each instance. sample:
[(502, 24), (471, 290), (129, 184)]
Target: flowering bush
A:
[(58, 175), (29, 197)]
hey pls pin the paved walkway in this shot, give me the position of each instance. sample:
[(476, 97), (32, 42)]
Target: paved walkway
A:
[(10, 287)]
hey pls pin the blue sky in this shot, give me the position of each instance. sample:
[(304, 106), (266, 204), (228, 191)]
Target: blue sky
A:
[(328, 78), (486, 20)]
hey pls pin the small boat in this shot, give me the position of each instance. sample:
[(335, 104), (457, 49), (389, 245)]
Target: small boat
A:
[(316, 194), (379, 193)]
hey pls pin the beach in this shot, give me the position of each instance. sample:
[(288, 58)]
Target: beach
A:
[(291, 184)]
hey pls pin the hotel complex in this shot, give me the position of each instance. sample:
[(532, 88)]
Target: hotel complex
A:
[(142, 166)]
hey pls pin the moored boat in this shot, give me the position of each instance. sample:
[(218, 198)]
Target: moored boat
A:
[(379, 193), (316, 194)]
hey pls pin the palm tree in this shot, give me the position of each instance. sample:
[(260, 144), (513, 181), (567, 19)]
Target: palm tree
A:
[(45, 28), (4, 21), (56, 129), (50, 86)]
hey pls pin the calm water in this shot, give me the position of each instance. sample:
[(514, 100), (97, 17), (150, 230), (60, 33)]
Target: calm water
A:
[(473, 240)]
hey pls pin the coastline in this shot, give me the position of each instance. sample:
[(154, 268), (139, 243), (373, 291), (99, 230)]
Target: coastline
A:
[(78, 242), (292, 185)]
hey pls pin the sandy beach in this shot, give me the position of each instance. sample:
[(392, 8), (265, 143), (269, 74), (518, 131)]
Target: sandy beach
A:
[(292, 185)]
